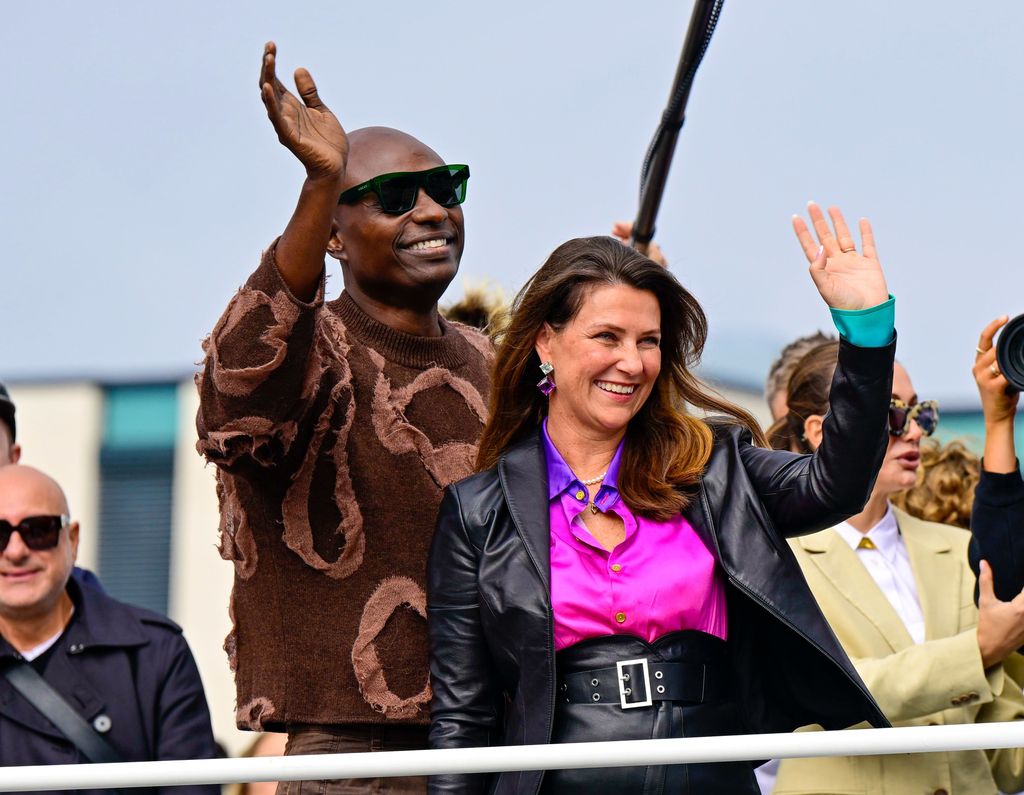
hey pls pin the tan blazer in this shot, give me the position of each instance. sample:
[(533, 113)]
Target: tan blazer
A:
[(936, 682)]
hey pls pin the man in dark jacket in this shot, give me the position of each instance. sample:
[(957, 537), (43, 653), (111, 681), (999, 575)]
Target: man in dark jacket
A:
[(124, 670)]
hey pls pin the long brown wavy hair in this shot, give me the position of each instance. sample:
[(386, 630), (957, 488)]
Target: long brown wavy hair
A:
[(666, 447)]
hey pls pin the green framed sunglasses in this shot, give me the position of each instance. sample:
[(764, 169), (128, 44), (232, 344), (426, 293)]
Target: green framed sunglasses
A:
[(397, 191)]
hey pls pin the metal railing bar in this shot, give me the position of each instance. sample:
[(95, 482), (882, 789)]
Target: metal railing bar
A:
[(856, 742)]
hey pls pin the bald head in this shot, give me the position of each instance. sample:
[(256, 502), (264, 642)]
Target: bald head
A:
[(387, 268), (381, 150), (34, 566), (25, 491)]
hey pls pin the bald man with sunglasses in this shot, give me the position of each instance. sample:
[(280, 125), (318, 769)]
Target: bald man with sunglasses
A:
[(335, 426), (122, 677)]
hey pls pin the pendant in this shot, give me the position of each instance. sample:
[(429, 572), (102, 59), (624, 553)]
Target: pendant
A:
[(593, 508)]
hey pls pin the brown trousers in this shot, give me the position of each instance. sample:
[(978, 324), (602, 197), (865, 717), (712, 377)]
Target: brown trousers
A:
[(308, 739)]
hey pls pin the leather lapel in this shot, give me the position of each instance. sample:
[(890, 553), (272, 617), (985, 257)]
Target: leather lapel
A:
[(523, 473), (937, 573), (840, 565)]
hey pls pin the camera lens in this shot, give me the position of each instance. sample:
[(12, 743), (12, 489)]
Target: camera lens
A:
[(1010, 352)]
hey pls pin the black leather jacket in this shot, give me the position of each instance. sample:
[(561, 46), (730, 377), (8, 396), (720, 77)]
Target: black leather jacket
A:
[(492, 645)]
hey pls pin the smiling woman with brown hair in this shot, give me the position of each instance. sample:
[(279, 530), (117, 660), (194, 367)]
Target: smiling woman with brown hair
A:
[(614, 570)]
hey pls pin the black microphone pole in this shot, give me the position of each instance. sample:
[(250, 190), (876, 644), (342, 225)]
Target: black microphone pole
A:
[(658, 160)]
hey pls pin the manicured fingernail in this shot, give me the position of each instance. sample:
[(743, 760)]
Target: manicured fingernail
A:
[(811, 202)]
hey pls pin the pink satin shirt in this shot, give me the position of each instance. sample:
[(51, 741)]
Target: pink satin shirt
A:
[(660, 579)]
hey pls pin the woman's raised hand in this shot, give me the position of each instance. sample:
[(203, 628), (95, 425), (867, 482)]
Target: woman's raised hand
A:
[(998, 400), (845, 279), (307, 128)]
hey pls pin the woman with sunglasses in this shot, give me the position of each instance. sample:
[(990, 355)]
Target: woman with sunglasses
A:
[(899, 595), (613, 571)]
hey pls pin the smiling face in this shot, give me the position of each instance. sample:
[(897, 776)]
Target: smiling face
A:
[(903, 455), (402, 260), (606, 360), (32, 582)]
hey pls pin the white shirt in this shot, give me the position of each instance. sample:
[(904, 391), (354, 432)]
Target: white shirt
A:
[(42, 648), (884, 555)]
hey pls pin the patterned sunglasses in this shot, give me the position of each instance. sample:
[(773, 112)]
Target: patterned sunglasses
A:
[(925, 413)]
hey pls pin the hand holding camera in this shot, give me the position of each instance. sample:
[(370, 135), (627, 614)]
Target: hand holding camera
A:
[(999, 373)]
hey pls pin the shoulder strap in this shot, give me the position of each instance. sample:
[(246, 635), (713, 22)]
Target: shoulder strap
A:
[(53, 706)]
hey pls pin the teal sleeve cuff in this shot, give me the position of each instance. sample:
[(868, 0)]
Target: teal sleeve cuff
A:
[(874, 327)]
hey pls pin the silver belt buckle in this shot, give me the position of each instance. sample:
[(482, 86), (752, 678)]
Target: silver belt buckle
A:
[(625, 686)]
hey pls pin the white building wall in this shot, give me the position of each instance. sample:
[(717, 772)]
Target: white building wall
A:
[(59, 430)]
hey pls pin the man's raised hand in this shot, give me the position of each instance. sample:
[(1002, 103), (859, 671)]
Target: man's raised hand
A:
[(307, 127)]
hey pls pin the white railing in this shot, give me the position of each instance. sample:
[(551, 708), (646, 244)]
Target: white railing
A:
[(858, 742)]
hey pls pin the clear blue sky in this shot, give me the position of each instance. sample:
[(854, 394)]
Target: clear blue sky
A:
[(141, 178)]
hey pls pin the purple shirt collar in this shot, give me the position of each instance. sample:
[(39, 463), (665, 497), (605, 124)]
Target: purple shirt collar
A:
[(561, 478)]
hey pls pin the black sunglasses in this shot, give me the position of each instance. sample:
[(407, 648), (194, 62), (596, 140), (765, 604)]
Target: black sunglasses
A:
[(38, 532), (925, 413), (397, 192)]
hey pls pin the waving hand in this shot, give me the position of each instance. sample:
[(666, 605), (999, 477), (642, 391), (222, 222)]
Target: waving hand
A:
[(845, 279), (307, 128)]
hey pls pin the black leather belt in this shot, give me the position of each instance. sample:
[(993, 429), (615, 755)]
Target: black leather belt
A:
[(638, 683)]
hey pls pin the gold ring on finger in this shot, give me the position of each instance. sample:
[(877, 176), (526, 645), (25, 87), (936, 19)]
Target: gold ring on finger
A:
[(848, 250), (979, 350)]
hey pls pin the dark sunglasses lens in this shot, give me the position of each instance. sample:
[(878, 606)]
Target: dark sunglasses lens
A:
[(897, 420), (37, 532), (447, 187), (928, 419), (398, 194)]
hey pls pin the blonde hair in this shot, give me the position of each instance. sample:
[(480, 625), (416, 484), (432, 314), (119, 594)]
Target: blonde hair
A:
[(481, 306), (946, 480)]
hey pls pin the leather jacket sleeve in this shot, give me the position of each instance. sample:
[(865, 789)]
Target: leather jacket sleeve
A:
[(465, 707), (807, 493), (997, 536)]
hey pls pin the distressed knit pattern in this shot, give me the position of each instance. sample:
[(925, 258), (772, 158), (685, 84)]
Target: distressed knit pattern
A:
[(334, 436)]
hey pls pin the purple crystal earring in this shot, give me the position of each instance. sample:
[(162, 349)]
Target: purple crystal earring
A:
[(547, 383)]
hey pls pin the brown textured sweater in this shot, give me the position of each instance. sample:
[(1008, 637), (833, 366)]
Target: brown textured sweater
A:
[(334, 436)]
